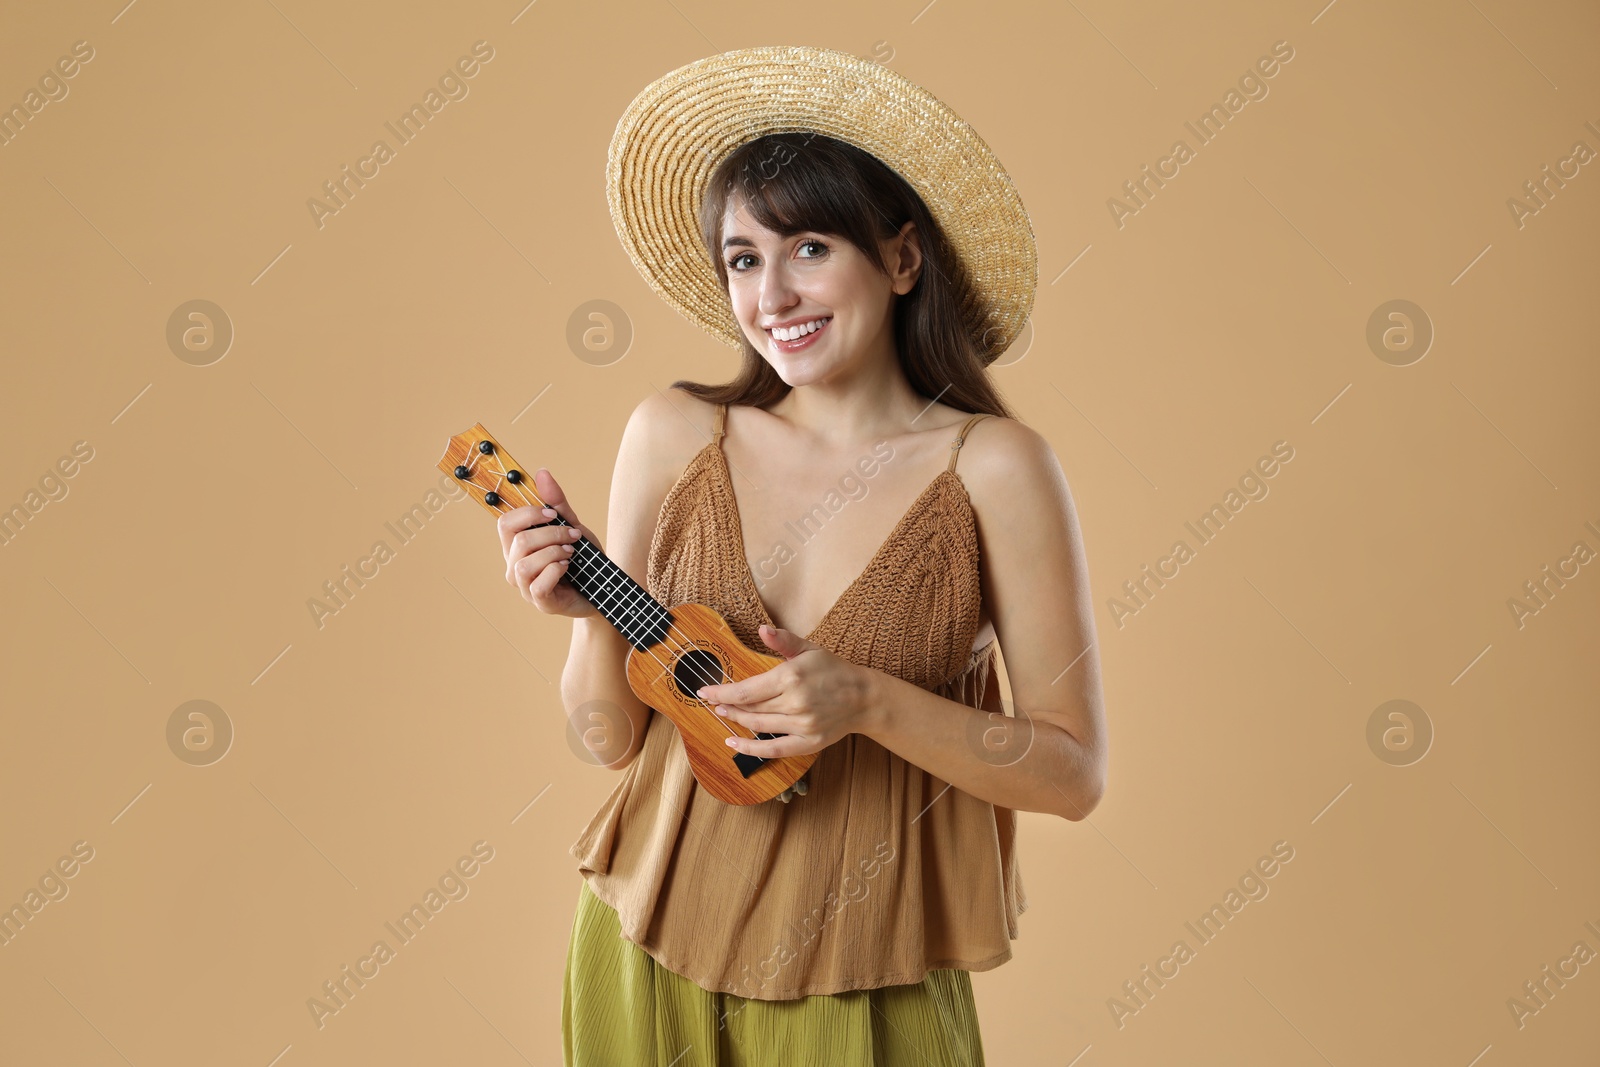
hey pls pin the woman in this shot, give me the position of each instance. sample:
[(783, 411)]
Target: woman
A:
[(870, 258)]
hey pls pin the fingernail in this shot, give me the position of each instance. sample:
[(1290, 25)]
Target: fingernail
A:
[(549, 513)]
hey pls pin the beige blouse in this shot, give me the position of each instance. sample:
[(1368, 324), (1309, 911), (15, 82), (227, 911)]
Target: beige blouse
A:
[(881, 871)]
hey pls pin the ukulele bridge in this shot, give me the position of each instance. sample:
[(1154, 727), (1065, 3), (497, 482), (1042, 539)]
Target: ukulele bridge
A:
[(690, 671)]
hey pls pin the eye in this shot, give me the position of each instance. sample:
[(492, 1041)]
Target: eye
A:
[(733, 263), (818, 244)]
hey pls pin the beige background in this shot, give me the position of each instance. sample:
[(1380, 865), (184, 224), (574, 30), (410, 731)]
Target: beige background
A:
[(1168, 354)]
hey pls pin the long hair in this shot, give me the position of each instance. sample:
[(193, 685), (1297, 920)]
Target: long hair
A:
[(796, 182)]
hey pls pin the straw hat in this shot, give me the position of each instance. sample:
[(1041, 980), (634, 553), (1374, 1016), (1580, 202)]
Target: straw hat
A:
[(685, 123)]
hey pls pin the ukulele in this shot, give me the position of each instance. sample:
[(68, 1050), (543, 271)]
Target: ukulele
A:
[(674, 652)]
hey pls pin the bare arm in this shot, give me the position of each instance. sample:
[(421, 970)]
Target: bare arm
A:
[(604, 711), (1035, 577)]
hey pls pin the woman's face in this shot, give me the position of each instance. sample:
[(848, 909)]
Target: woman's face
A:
[(813, 282)]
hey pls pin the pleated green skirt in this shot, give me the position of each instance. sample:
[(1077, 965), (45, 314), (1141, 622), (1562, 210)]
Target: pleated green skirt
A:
[(620, 1008)]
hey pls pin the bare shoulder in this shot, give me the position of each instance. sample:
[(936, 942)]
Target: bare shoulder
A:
[(675, 422), (998, 448), (663, 434), (1009, 470)]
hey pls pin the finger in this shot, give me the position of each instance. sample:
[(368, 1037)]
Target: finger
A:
[(529, 569), (758, 722), (549, 491), (530, 541), (792, 745), (519, 571), (751, 690), (543, 587), (514, 522)]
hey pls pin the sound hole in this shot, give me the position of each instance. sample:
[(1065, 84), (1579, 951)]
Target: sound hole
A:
[(699, 668), (696, 669)]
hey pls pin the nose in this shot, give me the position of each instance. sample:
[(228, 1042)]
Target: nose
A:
[(777, 292)]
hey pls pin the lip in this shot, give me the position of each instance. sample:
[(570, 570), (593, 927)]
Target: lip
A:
[(794, 322), (800, 342)]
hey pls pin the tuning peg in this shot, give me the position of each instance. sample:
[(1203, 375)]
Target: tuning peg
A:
[(462, 472), (485, 447), (513, 476)]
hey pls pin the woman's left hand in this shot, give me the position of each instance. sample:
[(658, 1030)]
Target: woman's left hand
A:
[(814, 696)]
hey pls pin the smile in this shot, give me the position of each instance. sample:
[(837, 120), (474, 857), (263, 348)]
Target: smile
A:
[(791, 338)]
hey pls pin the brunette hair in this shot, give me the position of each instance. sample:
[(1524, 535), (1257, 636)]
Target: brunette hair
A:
[(795, 182)]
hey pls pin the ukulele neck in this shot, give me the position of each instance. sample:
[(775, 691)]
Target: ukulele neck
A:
[(621, 601)]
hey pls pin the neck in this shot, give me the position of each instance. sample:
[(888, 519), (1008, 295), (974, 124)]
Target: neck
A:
[(866, 400)]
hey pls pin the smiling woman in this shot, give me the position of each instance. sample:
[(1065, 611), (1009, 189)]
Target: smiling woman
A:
[(869, 258), (832, 200)]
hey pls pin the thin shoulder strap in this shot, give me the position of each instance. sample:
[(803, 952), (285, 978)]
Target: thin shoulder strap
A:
[(716, 429), (955, 446)]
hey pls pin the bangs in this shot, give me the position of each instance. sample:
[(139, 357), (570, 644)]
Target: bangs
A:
[(802, 182)]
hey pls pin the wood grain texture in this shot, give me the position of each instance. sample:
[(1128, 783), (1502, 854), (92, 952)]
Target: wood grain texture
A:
[(697, 627)]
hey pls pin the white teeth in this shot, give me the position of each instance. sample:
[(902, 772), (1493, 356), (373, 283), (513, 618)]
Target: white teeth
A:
[(791, 333)]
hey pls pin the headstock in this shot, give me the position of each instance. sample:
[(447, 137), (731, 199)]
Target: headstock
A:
[(493, 478)]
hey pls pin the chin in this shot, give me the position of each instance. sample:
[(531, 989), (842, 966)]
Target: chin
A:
[(787, 375), (806, 367), (799, 370)]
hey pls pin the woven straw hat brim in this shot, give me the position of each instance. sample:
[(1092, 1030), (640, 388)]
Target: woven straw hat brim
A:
[(675, 133)]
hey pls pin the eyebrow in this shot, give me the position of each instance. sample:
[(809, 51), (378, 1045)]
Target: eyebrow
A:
[(728, 242)]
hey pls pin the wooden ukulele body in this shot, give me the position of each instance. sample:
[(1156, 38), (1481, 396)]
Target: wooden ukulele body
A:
[(702, 651)]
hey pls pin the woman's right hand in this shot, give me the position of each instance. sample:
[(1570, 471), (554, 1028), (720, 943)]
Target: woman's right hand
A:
[(536, 559)]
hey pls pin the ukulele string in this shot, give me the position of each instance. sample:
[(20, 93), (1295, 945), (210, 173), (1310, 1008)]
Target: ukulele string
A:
[(670, 639), (671, 632), (671, 628)]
